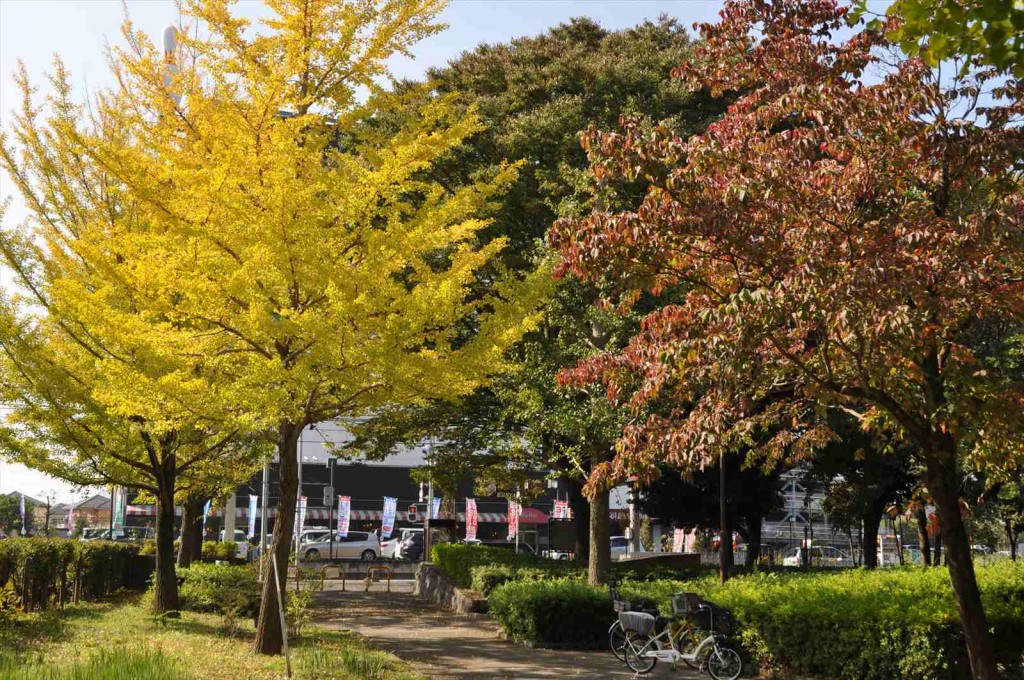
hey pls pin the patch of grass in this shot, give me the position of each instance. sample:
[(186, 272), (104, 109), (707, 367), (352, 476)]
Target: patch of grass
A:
[(74, 645)]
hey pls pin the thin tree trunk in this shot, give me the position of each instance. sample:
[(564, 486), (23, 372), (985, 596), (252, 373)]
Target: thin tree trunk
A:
[(599, 564), (269, 636), (581, 519), (191, 532), (753, 539), (1011, 536), (724, 526), (924, 543), (937, 556), (941, 477), (871, 521), (166, 580)]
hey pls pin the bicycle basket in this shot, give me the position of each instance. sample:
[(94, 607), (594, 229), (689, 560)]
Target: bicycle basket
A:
[(644, 605), (685, 604), (725, 622), (637, 621)]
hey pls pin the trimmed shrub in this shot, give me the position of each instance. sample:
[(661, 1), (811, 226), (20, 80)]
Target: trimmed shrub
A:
[(458, 560), (40, 568), (890, 623), (560, 613), (220, 588), (486, 578), (224, 551)]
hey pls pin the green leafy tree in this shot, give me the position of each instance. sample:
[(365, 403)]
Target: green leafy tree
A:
[(10, 514)]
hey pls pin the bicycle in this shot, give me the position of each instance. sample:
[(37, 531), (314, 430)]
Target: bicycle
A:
[(616, 634), (644, 648)]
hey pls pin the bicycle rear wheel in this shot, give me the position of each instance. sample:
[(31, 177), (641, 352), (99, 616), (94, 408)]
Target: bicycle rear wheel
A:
[(617, 641), (635, 650), (724, 664)]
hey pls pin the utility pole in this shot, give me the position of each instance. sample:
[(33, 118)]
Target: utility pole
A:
[(430, 510), (265, 514), (298, 513)]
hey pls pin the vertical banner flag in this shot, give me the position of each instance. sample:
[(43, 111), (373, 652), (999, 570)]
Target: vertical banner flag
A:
[(344, 511), (22, 514), (120, 503), (300, 516), (253, 499), (471, 519), (435, 511), (690, 545), (561, 509), (388, 524), (71, 518), (206, 513), (514, 510), (678, 539)]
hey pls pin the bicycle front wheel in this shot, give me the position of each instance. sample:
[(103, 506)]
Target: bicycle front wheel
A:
[(636, 649), (617, 641), (724, 664)]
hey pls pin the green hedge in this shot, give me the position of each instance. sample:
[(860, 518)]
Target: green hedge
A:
[(220, 588), (487, 577), (224, 551), (562, 612), (40, 569), (458, 560), (890, 623)]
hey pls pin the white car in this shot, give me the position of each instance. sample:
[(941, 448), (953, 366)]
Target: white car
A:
[(820, 556), (620, 545), (357, 545), (314, 535), (242, 541)]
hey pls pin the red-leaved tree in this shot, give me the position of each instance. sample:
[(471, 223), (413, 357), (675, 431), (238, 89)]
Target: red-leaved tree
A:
[(837, 237)]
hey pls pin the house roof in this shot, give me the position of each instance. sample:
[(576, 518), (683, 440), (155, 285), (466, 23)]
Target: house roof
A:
[(28, 499), (97, 502)]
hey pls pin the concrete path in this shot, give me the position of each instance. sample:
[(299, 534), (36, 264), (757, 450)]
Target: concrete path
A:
[(442, 644)]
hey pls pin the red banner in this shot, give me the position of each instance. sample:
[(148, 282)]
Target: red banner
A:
[(514, 511), (471, 519)]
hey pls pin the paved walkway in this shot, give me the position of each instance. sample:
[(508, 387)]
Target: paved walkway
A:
[(442, 644)]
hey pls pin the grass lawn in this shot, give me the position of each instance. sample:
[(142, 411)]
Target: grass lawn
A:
[(120, 640)]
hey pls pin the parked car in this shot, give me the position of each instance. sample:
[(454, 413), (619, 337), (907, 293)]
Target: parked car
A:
[(819, 556), (620, 545), (314, 535), (242, 541), (411, 547), (357, 545), (393, 546)]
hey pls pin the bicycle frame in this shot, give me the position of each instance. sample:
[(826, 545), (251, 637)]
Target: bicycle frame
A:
[(671, 654)]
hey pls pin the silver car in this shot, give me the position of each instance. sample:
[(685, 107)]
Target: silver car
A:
[(357, 545)]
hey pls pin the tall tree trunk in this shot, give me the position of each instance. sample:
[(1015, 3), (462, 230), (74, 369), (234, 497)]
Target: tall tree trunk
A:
[(923, 542), (1011, 538), (269, 636), (166, 580), (937, 555), (872, 520), (753, 539), (581, 518), (191, 546), (941, 477), (724, 525), (599, 564)]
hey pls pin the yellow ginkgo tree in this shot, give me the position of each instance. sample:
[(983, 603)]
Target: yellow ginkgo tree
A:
[(284, 238)]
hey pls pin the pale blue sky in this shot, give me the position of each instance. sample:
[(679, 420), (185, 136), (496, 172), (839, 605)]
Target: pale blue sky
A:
[(33, 30)]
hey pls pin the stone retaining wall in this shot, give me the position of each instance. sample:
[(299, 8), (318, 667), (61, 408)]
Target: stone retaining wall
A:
[(432, 584)]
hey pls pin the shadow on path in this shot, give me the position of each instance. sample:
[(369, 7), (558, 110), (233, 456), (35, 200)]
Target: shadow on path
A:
[(442, 644)]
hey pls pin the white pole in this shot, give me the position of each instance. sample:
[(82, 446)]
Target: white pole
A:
[(264, 514), (298, 509)]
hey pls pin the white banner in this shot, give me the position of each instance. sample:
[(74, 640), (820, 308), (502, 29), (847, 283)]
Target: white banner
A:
[(22, 514), (678, 540), (471, 519), (300, 517), (344, 515), (435, 511), (206, 512), (120, 505), (388, 524), (253, 499)]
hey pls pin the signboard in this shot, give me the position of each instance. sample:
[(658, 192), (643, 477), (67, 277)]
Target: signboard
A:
[(328, 496), (471, 519), (252, 516), (388, 525), (344, 514), (514, 510), (678, 540)]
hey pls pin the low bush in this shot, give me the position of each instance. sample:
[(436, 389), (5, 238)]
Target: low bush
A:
[(562, 612), (457, 560), (890, 623), (224, 551), (41, 568), (222, 588), (489, 576), (105, 664)]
